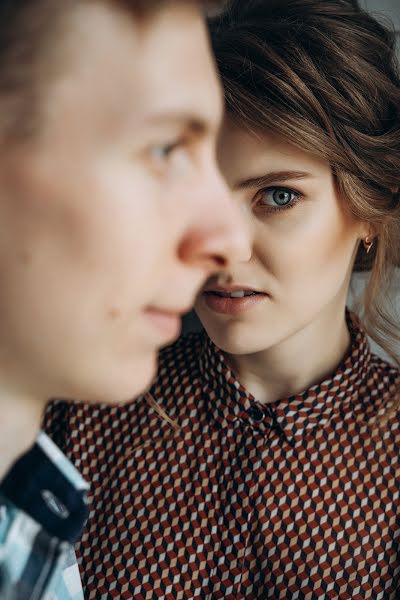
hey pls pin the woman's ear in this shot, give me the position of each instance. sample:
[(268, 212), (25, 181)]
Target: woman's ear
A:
[(368, 231)]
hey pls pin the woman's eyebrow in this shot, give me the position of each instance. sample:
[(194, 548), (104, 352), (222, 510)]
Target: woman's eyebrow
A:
[(269, 178)]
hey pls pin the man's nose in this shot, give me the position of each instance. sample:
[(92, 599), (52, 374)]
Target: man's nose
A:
[(220, 235)]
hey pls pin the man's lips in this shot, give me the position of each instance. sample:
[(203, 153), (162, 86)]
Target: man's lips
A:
[(166, 321)]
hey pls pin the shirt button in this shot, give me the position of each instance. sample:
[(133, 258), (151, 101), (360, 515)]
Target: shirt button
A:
[(3, 513), (54, 504), (256, 413)]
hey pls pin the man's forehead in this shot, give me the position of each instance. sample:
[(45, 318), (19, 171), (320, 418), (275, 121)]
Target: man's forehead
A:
[(166, 72), (181, 103), (179, 84)]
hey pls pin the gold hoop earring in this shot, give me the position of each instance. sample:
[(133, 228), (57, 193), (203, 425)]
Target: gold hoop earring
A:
[(368, 243)]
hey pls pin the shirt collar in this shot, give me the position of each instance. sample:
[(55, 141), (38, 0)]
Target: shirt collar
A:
[(296, 416), (46, 486)]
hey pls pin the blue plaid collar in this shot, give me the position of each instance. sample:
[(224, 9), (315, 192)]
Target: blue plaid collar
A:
[(46, 486)]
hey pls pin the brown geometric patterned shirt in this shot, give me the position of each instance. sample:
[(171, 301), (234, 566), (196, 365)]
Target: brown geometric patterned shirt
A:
[(298, 499)]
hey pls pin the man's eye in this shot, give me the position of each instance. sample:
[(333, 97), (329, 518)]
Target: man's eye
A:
[(173, 158), (163, 152)]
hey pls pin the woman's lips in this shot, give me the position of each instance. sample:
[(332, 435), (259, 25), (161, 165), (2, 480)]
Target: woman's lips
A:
[(233, 306)]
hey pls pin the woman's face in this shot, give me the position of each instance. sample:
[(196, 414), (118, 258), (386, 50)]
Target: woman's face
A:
[(304, 245)]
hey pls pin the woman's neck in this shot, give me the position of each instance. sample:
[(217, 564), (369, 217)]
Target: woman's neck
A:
[(20, 418), (304, 359)]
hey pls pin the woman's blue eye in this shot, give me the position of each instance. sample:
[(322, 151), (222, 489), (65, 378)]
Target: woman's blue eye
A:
[(279, 196)]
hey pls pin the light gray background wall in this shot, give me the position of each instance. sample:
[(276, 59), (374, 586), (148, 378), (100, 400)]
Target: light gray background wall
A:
[(391, 9)]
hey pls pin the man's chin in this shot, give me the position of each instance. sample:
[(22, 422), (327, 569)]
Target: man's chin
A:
[(142, 378), (124, 387)]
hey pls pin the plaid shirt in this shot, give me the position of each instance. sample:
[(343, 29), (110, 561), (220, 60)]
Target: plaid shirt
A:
[(43, 508)]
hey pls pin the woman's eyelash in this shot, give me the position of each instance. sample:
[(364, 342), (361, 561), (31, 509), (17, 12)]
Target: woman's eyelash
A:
[(284, 198)]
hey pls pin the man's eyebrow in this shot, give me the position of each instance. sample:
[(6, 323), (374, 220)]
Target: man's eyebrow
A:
[(188, 121), (269, 178)]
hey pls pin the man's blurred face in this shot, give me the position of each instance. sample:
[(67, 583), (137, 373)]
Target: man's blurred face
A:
[(115, 214)]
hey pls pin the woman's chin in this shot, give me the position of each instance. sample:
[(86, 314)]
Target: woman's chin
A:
[(235, 343)]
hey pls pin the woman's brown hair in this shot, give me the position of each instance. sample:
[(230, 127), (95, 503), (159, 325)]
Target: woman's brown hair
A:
[(323, 75)]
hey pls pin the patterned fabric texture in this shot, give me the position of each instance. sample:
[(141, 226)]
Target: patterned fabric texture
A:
[(37, 559), (295, 500)]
